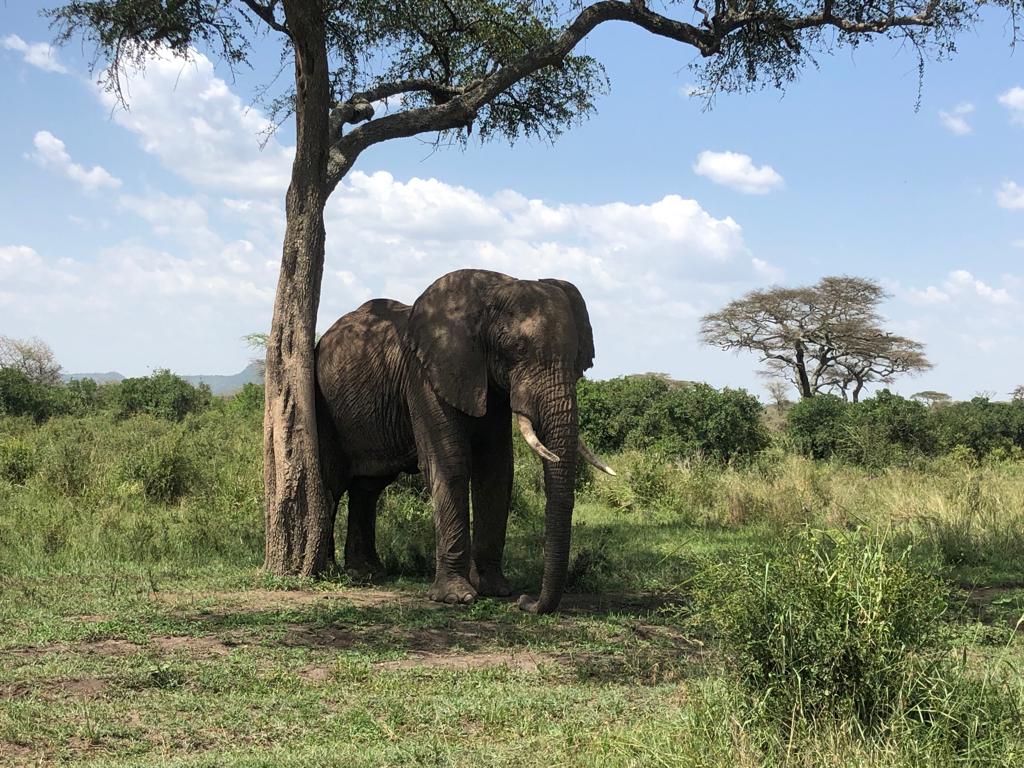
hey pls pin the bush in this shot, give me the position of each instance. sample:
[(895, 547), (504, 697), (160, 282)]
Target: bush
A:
[(20, 396), (721, 425), (610, 410), (164, 469), (836, 627), (68, 464), (646, 413), (249, 399), (17, 460), (817, 425), (981, 426), (163, 394)]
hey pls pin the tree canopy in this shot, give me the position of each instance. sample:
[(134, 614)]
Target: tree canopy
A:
[(31, 357), (827, 337)]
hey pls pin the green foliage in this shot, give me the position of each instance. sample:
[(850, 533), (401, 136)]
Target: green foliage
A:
[(981, 425), (20, 396), (645, 412), (18, 460), (888, 429), (249, 399), (700, 420), (405, 528), (165, 468), (836, 626), (163, 394), (816, 425), (610, 410)]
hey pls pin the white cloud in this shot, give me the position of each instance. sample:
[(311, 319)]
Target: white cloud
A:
[(958, 286), (191, 121), (639, 266), (737, 171), (1010, 195), (40, 55), (51, 153), (956, 120), (1013, 100)]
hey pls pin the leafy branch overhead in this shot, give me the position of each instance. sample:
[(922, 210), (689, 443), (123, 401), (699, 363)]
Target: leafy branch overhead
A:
[(502, 68), (824, 338)]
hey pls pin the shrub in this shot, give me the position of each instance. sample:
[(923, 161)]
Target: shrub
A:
[(20, 396), (164, 469), (610, 410), (981, 425), (817, 424), (249, 399), (835, 627), (647, 413), (18, 460), (163, 394), (700, 420), (69, 458), (897, 421)]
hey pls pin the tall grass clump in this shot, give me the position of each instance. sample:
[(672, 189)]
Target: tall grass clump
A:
[(835, 626), (839, 636)]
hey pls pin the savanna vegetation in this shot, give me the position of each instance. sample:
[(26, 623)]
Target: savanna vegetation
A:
[(841, 584)]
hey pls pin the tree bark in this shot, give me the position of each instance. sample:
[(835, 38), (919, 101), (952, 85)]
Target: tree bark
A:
[(801, 374), (298, 528)]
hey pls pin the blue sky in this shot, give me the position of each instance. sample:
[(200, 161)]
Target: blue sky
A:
[(130, 241)]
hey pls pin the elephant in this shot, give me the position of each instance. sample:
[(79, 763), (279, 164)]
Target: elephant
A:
[(435, 387)]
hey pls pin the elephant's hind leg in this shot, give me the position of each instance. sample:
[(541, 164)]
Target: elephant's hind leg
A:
[(361, 559)]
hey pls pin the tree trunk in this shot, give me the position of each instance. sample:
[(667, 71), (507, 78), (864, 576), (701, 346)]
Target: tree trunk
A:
[(801, 373), (856, 391), (297, 519)]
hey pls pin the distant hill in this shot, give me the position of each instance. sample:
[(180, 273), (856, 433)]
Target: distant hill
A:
[(218, 384), (228, 385), (100, 378)]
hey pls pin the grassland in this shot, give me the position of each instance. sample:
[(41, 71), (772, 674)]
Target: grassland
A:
[(136, 627)]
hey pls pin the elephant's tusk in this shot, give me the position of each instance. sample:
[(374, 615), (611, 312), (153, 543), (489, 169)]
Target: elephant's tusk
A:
[(592, 459), (532, 440)]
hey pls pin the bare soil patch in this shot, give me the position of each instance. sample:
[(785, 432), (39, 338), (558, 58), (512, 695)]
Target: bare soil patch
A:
[(196, 646), (80, 687), (240, 601), (524, 661), (457, 634)]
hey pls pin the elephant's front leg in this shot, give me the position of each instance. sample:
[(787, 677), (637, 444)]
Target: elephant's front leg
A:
[(492, 497), (451, 523)]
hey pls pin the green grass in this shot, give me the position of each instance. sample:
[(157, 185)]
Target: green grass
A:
[(136, 628)]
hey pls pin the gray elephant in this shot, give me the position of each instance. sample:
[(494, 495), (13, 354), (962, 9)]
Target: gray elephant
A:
[(433, 388)]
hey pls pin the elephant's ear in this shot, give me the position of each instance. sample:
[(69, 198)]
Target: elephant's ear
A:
[(445, 331), (584, 333)]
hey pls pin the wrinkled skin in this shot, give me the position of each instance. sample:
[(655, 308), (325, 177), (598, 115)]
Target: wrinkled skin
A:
[(433, 388)]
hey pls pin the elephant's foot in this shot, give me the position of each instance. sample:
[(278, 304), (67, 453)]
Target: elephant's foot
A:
[(451, 590), (490, 582), (363, 570)]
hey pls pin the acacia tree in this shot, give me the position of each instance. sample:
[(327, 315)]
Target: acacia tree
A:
[(825, 337), (931, 398), (501, 68), (31, 357), (874, 358)]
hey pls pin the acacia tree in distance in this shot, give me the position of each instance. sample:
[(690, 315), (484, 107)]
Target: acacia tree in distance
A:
[(825, 337), (31, 357), (501, 68)]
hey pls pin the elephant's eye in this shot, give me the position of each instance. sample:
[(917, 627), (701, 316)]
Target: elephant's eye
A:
[(520, 349)]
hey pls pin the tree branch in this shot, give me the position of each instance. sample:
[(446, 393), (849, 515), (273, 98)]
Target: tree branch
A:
[(266, 13)]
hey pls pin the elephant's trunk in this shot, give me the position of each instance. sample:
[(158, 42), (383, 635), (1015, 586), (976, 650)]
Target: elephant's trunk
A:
[(558, 430)]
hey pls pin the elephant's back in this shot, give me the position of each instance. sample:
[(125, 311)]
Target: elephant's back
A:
[(360, 373)]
